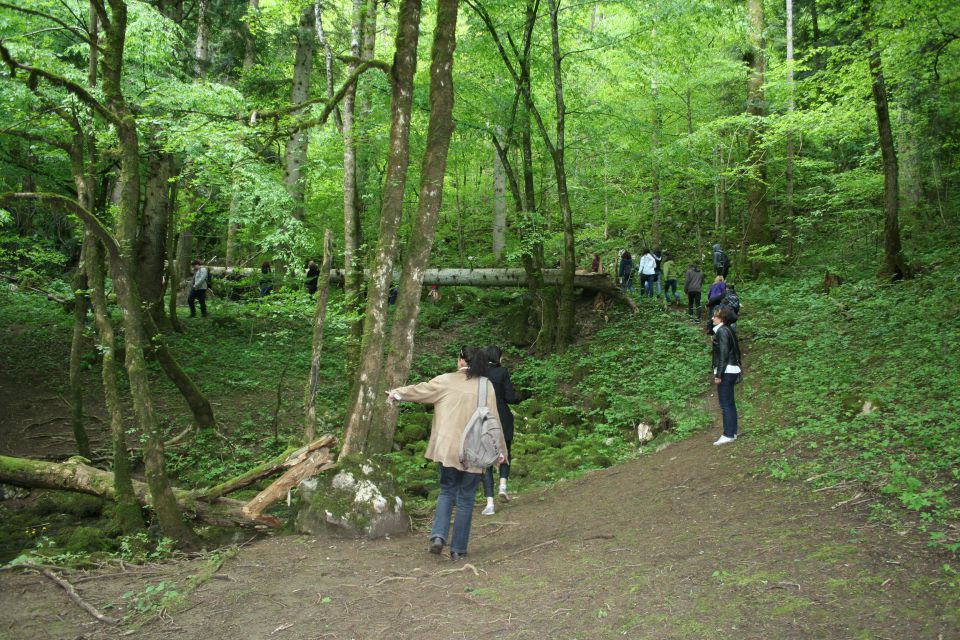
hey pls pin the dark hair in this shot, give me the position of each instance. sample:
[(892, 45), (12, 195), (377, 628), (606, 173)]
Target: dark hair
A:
[(265, 267), (476, 360), (196, 262), (626, 256), (725, 313), (494, 353)]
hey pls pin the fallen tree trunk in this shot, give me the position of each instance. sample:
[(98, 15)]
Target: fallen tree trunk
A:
[(205, 506), (316, 462), (599, 282)]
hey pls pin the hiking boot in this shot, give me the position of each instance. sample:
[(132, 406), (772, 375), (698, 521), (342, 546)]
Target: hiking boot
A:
[(488, 510), (724, 440), (457, 557), (436, 545)]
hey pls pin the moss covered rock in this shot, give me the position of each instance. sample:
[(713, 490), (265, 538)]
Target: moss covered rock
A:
[(87, 540), (360, 501), (78, 505)]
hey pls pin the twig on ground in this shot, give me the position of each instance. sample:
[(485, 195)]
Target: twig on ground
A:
[(66, 586), (465, 567), (843, 502), (396, 578), (783, 585), (516, 553)]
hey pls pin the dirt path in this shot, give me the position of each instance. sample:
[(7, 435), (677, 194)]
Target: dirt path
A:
[(686, 543)]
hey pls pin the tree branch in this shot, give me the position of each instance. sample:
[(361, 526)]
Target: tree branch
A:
[(88, 219), (47, 16), (72, 87)]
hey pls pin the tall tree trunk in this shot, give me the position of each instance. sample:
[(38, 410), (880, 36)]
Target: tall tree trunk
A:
[(201, 49), (791, 106), (93, 31), (173, 276), (757, 231), (152, 235), (417, 259), (295, 154), (894, 264), (353, 272), (499, 231), (124, 280), (319, 317), (76, 354), (127, 516), (378, 286), (655, 127), (567, 317)]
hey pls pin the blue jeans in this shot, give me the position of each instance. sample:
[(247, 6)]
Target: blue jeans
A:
[(625, 283), (658, 277), (728, 405), (457, 489)]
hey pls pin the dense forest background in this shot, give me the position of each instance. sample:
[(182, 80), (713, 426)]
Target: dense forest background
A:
[(383, 139)]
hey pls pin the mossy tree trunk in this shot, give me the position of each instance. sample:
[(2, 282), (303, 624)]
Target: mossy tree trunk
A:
[(127, 515), (758, 229), (76, 355), (319, 317)]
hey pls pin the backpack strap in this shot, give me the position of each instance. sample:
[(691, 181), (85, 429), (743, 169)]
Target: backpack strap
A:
[(482, 393)]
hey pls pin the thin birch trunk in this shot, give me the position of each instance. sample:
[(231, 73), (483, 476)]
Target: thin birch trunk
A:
[(319, 317)]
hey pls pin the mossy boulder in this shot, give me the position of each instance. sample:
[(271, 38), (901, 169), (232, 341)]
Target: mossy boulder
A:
[(78, 505), (359, 501), (87, 540), (415, 427)]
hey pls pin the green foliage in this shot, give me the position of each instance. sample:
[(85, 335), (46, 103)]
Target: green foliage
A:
[(153, 599), (860, 378)]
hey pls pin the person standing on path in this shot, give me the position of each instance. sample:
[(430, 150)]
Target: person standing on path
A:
[(726, 371), (454, 397), (626, 271), (313, 276), (669, 280), (500, 377), (198, 289), (647, 270), (721, 263), (692, 286), (266, 280)]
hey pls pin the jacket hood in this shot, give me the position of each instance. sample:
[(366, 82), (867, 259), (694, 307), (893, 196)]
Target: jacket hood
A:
[(716, 247)]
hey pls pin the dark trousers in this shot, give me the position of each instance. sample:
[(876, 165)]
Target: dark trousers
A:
[(693, 300), (197, 295), (728, 405), (669, 285), (504, 473)]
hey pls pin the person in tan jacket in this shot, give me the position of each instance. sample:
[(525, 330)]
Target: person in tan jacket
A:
[(454, 397)]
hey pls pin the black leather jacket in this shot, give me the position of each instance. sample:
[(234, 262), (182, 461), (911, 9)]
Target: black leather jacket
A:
[(726, 350), (500, 378)]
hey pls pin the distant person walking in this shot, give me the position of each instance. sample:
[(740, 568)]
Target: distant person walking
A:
[(692, 286), (721, 263), (648, 271), (266, 280), (658, 269), (626, 271), (454, 397), (732, 300), (715, 296), (313, 276), (198, 289), (669, 280), (595, 265), (726, 371), (500, 377)]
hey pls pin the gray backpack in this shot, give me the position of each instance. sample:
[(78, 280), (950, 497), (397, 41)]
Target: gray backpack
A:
[(480, 443)]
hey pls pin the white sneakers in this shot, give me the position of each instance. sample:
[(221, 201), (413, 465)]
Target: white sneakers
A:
[(724, 440), (488, 510)]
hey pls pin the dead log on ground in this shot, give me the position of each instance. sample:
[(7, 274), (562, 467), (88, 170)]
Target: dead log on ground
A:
[(316, 462)]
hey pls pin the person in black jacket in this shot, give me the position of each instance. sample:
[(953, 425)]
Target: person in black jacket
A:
[(726, 370), (312, 277), (500, 378)]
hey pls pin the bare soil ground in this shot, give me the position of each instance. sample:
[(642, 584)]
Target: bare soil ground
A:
[(687, 543)]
